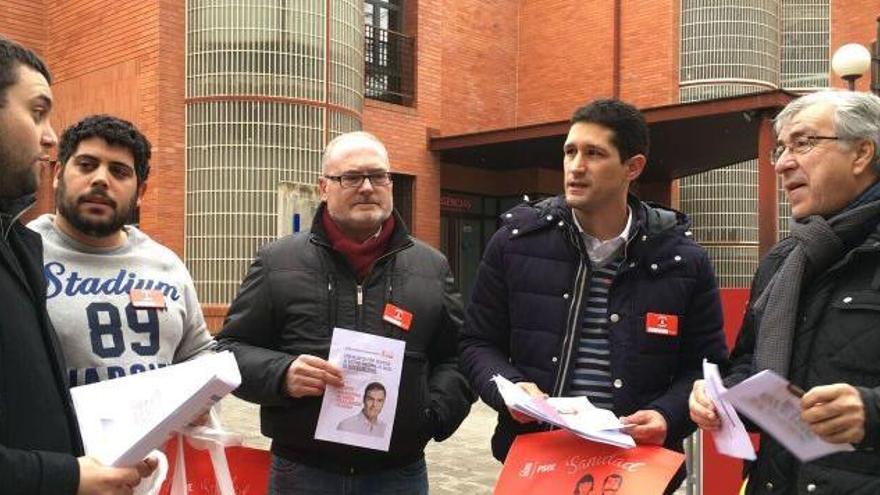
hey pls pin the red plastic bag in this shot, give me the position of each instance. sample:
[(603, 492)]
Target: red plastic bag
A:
[(560, 462), (249, 469)]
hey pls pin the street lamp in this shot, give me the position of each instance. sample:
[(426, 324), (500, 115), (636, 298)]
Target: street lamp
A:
[(850, 61)]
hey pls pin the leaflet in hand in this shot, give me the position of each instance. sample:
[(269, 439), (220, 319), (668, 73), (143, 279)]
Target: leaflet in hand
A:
[(123, 419), (769, 401), (731, 438), (362, 411), (575, 414)]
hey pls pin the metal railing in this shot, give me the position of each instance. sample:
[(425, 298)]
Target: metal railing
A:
[(388, 60)]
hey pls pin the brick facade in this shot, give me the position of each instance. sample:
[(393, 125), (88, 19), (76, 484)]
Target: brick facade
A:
[(24, 21), (117, 69), (480, 65)]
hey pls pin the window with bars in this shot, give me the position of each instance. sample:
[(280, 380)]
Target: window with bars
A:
[(388, 53), (255, 129)]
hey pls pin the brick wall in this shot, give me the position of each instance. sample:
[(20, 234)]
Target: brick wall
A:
[(479, 65), (107, 60), (565, 57), (649, 52), (166, 204), (23, 21)]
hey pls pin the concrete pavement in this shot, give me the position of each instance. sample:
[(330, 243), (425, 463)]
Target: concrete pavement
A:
[(463, 464)]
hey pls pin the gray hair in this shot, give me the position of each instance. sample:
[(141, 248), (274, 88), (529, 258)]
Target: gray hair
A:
[(328, 150), (856, 116)]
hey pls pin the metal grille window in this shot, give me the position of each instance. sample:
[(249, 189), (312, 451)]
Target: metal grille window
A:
[(722, 204), (729, 47), (806, 26), (263, 97), (388, 53)]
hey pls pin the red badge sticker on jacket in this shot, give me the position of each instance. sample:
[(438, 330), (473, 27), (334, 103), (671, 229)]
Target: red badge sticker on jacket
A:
[(141, 298), (661, 324), (397, 316)]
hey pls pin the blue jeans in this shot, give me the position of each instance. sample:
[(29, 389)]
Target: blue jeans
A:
[(292, 478)]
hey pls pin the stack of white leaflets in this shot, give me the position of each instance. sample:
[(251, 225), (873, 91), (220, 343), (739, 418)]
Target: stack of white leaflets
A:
[(123, 419), (575, 414), (772, 403)]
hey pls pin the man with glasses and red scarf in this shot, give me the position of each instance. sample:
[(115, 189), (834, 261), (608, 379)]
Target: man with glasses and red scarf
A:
[(357, 261), (814, 312)]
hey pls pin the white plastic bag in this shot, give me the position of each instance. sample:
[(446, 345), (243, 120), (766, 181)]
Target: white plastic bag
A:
[(212, 438)]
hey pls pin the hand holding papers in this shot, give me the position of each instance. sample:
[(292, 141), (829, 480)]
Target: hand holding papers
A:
[(574, 414), (362, 411), (731, 438), (123, 419), (770, 401)]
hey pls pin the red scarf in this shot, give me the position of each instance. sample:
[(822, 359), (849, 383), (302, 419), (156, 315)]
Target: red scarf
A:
[(361, 255)]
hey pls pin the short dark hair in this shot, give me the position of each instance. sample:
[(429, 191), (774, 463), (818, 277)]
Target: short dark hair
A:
[(11, 56), (374, 386), (113, 130), (587, 478), (629, 126)]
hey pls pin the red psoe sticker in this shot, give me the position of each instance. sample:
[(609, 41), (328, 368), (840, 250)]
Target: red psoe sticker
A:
[(661, 324), (141, 298), (397, 316)]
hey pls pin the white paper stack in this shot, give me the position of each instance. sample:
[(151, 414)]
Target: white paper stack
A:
[(768, 400), (123, 419), (575, 414)]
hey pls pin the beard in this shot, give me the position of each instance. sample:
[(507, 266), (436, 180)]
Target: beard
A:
[(18, 176), (68, 208)]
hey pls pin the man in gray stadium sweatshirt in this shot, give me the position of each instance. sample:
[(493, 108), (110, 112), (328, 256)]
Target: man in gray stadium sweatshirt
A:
[(121, 302)]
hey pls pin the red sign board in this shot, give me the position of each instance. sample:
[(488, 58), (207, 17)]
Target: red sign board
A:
[(560, 462), (455, 203)]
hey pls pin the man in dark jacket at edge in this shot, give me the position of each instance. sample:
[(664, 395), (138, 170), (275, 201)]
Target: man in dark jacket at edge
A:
[(814, 310), (39, 436), (595, 293), (357, 259)]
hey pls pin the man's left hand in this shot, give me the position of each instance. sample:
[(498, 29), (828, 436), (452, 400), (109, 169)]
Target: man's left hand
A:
[(835, 413), (646, 427)]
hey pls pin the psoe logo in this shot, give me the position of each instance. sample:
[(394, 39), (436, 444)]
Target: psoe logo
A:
[(530, 469)]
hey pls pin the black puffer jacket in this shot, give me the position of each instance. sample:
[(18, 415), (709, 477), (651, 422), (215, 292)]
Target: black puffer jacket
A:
[(297, 290), (837, 340), (39, 436), (525, 313)]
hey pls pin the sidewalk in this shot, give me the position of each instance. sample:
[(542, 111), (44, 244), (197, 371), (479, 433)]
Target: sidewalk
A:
[(461, 464)]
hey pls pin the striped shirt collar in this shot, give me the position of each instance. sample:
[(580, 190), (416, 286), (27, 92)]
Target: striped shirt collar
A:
[(601, 252)]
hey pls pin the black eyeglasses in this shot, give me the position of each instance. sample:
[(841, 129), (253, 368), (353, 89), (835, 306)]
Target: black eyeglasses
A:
[(356, 180), (799, 145)]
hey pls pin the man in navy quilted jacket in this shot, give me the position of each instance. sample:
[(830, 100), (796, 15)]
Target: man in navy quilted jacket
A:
[(596, 293)]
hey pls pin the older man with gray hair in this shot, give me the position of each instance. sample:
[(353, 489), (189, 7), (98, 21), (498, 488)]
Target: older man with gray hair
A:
[(814, 312), (356, 263)]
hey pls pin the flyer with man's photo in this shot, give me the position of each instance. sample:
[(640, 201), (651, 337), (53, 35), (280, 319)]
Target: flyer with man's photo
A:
[(361, 413)]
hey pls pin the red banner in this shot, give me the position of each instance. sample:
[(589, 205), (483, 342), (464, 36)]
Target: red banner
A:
[(560, 462)]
